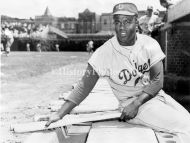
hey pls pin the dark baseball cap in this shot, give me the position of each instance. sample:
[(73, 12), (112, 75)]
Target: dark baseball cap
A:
[(150, 7), (125, 9)]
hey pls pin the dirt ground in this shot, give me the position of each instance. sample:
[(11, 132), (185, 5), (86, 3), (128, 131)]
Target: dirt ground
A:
[(23, 98)]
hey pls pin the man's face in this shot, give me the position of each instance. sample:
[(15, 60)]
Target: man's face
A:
[(149, 12), (125, 28)]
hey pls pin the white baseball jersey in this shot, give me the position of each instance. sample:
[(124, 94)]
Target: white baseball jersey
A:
[(9, 34), (122, 65), (147, 23), (90, 43)]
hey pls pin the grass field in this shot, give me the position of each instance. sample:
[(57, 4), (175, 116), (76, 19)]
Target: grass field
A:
[(21, 65)]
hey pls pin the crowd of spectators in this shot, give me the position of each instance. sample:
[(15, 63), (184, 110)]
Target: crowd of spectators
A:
[(23, 29), (151, 22), (20, 30)]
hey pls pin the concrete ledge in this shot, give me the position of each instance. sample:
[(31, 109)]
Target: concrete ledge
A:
[(76, 134), (120, 132), (184, 25), (179, 10)]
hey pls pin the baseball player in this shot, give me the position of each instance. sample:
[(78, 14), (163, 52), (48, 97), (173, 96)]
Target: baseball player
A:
[(132, 64), (10, 40), (90, 46), (144, 21)]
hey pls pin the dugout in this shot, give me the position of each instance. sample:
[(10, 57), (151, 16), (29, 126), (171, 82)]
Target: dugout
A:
[(175, 41), (74, 42)]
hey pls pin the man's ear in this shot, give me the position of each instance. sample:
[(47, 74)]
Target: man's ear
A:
[(136, 21)]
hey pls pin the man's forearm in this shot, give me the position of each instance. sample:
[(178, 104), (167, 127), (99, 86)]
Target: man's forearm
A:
[(144, 97), (156, 83), (131, 110), (84, 87), (80, 92), (66, 108), (154, 87)]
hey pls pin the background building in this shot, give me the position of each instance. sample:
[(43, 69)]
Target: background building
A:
[(68, 25), (87, 22), (45, 19), (107, 22)]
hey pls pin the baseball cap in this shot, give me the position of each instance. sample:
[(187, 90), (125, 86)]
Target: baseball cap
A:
[(150, 7), (125, 9)]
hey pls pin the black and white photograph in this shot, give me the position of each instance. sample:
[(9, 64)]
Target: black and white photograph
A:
[(95, 71)]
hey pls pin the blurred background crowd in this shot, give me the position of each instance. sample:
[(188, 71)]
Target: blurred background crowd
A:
[(19, 29)]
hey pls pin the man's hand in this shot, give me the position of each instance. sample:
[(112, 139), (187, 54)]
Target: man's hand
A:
[(129, 112), (53, 118), (64, 110)]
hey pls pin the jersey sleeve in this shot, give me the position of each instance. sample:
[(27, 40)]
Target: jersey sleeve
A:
[(100, 60), (155, 52)]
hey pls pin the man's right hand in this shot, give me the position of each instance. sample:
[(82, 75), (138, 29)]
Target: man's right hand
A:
[(53, 118), (64, 110)]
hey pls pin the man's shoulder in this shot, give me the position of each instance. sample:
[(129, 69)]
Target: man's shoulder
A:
[(110, 41), (144, 37), (113, 39), (107, 45)]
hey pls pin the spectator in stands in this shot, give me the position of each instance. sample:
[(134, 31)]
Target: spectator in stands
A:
[(156, 23), (166, 3), (144, 21), (156, 20)]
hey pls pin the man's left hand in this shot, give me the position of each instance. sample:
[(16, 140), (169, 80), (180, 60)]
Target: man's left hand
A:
[(129, 112)]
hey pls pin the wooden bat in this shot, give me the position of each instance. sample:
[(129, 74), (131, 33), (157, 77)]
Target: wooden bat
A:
[(67, 120)]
